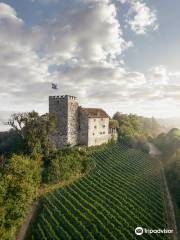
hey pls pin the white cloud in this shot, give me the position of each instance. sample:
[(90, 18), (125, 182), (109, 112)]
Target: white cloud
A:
[(88, 30), (158, 75), (123, 1), (20, 65), (140, 17), (81, 49), (83, 42), (8, 13)]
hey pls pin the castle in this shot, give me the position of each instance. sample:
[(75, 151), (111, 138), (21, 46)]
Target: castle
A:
[(77, 125)]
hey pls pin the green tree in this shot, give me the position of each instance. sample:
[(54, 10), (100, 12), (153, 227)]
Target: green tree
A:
[(10, 142), (35, 131), (136, 130), (19, 182), (113, 123)]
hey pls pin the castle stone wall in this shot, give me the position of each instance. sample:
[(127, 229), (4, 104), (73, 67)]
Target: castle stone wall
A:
[(98, 131), (59, 140), (83, 128), (65, 109), (72, 120), (75, 127)]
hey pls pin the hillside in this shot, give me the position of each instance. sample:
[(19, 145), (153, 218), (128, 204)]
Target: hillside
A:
[(124, 192)]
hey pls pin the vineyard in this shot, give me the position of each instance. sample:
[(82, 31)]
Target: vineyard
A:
[(124, 192)]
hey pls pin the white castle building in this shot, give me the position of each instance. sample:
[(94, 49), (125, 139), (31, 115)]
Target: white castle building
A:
[(77, 125)]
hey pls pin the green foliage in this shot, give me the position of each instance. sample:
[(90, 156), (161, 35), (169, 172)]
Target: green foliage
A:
[(35, 131), (10, 142), (169, 144), (124, 192), (19, 182), (136, 130), (113, 123), (64, 163)]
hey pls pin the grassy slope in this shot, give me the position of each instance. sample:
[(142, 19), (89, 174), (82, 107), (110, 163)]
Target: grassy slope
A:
[(124, 192)]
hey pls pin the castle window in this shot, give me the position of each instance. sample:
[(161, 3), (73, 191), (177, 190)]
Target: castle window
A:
[(103, 126), (103, 132), (95, 127), (93, 134), (94, 120)]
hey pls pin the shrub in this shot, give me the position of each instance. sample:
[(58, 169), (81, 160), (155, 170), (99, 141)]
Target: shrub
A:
[(64, 163)]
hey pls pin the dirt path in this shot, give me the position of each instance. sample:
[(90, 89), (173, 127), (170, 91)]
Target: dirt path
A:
[(43, 189), (24, 227)]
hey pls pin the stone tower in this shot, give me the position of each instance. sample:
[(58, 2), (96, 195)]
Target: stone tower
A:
[(66, 110)]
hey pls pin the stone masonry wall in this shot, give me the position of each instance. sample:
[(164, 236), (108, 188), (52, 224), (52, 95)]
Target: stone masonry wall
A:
[(73, 123), (66, 110), (74, 127), (83, 128), (98, 131), (58, 106)]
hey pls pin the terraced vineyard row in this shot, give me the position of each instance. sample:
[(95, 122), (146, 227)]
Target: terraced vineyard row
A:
[(123, 193)]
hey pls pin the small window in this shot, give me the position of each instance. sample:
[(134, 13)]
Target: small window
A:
[(95, 127), (103, 126), (93, 134), (103, 132), (94, 120)]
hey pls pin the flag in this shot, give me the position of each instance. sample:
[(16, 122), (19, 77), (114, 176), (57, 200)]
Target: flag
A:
[(54, 86)]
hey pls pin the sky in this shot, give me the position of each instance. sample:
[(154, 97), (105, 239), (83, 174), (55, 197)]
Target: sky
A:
[(120, 55)]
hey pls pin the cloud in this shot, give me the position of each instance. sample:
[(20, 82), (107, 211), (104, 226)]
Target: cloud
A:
[(82, 50), (88, 30), (140, 17), (158, 75), (8, 13), (20, 64), (81, 43)]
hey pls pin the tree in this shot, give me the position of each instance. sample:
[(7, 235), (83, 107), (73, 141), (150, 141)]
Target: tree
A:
[(19, 182), (10, 143), (113, 123), (136, 130), (35, 130)]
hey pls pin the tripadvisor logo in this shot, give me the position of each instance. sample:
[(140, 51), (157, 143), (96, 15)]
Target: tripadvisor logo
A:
[(139, 231)]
